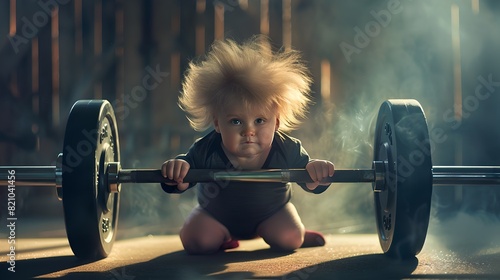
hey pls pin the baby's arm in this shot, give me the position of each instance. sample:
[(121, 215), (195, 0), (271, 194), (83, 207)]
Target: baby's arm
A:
[(176, 170), (318, 171)]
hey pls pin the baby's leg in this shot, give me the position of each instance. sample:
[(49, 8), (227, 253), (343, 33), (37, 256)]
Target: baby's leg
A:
[(283, 230), (202, 234)]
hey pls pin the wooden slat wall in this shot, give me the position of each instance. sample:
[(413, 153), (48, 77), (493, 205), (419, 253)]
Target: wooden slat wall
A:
[(68, 60), (4, 20), (5, 153), (105, 49), (108, 44), (45, 72)]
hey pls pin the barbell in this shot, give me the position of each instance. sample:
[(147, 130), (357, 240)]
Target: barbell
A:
[(88, 177)]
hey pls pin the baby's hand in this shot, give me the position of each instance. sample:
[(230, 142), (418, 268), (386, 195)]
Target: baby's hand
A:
[(319, 170), (176, 170)]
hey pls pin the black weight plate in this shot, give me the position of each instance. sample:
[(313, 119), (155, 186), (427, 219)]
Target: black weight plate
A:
[(90, 211), (403, 207)]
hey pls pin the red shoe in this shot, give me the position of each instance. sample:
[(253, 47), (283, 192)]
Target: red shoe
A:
[(231, 244), (313, 239)]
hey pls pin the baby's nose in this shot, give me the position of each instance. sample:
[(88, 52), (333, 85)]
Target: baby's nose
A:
[(248, 131)]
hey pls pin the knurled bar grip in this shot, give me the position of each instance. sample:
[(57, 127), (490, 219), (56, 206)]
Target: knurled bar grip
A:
[(266, 175)]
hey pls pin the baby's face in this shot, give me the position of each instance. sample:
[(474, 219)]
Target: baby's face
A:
[(246, 132)]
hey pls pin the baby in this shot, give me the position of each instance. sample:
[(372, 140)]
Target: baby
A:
[(250, 96)]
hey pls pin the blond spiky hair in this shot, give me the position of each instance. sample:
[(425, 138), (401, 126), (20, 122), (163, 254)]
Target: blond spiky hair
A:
[(249, 73)]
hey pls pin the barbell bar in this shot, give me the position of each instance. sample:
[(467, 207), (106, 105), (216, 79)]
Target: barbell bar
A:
[(48, 176), (88, 177)]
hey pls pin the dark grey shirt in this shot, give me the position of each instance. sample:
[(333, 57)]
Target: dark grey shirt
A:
[(242, 206)]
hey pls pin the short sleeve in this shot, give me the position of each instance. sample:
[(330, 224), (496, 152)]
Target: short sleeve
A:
[(191, 157), (299, 158)]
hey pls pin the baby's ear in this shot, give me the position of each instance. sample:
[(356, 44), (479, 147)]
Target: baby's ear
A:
[(277, 123), (216, 125)]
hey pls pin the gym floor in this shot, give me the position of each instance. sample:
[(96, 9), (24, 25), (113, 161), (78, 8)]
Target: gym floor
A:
[(345, 256)]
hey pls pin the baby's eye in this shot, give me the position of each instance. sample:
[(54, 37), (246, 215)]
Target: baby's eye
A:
[(260, 121), (235, 121)]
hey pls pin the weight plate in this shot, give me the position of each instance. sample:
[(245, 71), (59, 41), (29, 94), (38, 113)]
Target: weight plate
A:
[(90, 211), (403, 206)]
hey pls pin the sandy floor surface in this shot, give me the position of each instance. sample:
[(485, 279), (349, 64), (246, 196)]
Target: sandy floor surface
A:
[(345, 256)]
